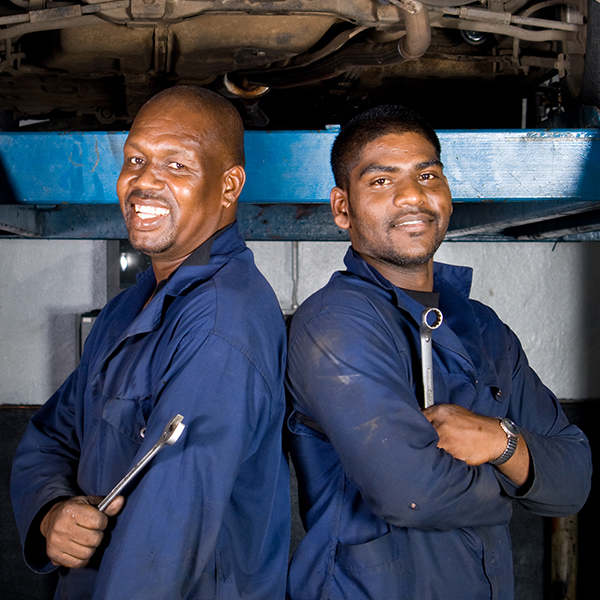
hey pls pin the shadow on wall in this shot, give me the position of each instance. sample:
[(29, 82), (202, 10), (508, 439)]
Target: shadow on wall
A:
[(587, 414), (63, 345), (590, 321)]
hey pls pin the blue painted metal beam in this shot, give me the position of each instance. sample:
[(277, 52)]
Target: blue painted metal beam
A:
[(483, 221), (506, 185), (293, 167)]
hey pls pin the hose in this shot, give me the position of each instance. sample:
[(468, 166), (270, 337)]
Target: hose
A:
[(410, 47)]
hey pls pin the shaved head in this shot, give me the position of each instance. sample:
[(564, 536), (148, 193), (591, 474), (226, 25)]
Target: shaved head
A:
[(226, 130)]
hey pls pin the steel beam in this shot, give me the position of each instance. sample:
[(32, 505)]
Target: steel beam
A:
[(62, 185), (293, 167), (503, 221)]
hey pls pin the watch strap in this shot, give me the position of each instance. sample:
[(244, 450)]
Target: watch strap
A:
[(511, 445)]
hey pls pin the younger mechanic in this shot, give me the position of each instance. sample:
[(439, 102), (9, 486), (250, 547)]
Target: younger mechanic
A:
[(397, 501)]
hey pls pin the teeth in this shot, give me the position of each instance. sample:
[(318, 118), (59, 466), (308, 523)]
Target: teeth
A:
[(149, 212), (415, 222)]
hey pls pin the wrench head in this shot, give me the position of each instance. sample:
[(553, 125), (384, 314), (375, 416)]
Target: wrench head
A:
[(431, 318), (173, 430)]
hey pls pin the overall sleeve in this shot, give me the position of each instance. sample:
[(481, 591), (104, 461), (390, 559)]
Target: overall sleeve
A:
[(347, 373), (163, 544), (560, 453), (45, 467)]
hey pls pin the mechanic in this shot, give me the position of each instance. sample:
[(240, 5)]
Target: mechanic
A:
[(201, 335), (397, 501)]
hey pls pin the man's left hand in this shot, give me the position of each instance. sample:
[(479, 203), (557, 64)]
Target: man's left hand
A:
[(471, 437), (477, 439)]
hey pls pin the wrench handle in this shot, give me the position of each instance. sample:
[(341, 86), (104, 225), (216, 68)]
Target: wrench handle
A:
[(427, 366), (426, 354), (132, 473), (170, 435)]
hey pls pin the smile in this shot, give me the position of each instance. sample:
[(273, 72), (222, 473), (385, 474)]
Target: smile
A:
[(411, 222), (150, 212), (419, 221)]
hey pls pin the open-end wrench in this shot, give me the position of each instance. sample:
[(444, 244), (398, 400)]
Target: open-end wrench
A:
[(169, 436), (426, 359)]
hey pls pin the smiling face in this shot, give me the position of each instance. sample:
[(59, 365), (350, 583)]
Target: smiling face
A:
[(397, 206), (175, 188)]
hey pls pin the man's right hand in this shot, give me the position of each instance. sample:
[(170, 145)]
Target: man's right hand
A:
[(74, 528)]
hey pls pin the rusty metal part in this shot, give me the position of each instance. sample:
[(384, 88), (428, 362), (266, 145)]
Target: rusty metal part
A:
[(244, 89), (564, 553), (410, 47)]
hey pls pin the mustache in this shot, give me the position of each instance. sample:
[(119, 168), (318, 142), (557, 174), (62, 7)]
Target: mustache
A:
[(395, 220), (146, 195)]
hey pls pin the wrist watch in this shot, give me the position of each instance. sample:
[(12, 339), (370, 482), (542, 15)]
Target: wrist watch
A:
[(512, 434)]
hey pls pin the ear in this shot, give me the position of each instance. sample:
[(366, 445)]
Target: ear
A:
[(233, 182), (339, 207)]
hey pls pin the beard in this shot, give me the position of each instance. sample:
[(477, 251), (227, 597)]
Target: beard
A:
[(406, 258), (151, 242), (152, 247), (385, 249)]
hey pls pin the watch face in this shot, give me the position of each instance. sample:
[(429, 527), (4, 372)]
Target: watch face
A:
[(510, 426)]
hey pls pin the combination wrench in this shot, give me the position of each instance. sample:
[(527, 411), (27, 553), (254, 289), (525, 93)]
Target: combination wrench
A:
[(426, 358), (169, 436)]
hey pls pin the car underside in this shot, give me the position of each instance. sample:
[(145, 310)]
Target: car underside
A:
[(290, 64)]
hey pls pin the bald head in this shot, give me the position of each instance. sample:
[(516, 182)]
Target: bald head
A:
[(225, 130), (182, 174)]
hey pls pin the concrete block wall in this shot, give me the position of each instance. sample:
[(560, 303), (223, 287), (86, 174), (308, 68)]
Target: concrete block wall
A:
[(45, 285), (546, 293)]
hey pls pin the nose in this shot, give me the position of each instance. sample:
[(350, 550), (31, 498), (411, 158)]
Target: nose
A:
[(148, 178), (409, 192)]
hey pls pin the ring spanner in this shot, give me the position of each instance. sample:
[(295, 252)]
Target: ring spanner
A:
[(169, 436), (426, 359)]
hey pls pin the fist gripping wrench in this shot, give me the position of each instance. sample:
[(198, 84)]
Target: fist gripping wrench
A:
[(169, 436), (426, 361)]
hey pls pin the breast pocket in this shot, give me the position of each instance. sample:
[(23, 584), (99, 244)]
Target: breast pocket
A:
[(128, 416), (113, 437)]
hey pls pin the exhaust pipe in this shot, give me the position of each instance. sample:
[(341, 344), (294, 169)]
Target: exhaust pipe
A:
[(410, 47)]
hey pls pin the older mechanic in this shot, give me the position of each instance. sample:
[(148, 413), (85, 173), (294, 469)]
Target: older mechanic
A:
[(400, 502), (201, 334)]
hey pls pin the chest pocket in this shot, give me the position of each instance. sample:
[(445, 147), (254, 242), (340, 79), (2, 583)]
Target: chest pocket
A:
[(129, 416)]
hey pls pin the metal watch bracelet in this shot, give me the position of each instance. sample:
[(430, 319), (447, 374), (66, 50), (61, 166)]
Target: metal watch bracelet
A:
[(512, 435)]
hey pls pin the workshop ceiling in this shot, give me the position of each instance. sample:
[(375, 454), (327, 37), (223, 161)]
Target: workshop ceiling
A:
[(299, 65)]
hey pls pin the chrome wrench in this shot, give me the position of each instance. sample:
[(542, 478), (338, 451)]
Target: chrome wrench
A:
[(169, 436), (426, 359)]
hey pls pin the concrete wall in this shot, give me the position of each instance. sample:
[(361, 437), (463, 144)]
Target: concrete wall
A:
[(45, 285), (547, 294)]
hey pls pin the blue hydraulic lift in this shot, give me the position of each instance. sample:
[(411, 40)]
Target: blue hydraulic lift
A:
[(507, 185)]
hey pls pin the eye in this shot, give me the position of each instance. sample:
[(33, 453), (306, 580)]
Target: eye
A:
[(135, 160), (177, 166), (428, 176), (380, 181)]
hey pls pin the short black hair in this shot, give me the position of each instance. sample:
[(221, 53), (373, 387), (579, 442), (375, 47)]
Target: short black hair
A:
[(369, 126)]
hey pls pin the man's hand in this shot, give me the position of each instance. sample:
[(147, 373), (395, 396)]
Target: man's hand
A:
[(473, 438), (477, 439), (74, 528)]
